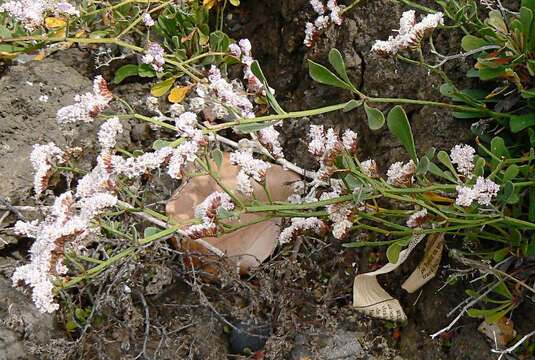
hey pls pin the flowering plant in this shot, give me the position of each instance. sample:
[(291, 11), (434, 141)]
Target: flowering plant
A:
[(481, 197)]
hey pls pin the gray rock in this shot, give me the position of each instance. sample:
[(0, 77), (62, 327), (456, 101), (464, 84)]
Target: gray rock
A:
[(343, 345), (21, 324), (25, 120), (10, 346)]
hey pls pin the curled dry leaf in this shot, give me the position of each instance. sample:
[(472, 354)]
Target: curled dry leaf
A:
[(251, 245), (428, 267), (55, 22), (501, 332), (178, 94), (371, 299)]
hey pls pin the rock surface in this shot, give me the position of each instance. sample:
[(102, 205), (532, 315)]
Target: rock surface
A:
[(27, 119), (21, 324)]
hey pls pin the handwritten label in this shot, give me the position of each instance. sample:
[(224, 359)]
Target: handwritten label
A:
[(428, 267), (371, 299)]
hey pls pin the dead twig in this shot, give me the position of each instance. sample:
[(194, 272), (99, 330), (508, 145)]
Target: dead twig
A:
[(514, 347), (12, 208), (488, 269), (464, 310), (147, 326)]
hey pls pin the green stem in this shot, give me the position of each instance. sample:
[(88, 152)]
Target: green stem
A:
[(352, 5), (206, 166), (123, 3), (138, 19)]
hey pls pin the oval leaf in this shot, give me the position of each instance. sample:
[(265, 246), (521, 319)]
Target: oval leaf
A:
[(178, 94), (353, 104), (392, 253), (399, 125), (321, 74), (162, 87), (376, 119), (518, 123), (125, 71), (471, 42), (337, 62)]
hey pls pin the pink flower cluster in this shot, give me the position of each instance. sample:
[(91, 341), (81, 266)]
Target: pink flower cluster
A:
[(463, 157), (269, 138), (229, 94), (326, 145), (340, 213), (483, 191), (88, 105), (323, 20), (154, 56), (300, 226), (242, 50), (43, 157), (370, 168), (410, 33), (250, 169), (400, 174), (208, 211), (417, 219), (65, 226), (31, 13)]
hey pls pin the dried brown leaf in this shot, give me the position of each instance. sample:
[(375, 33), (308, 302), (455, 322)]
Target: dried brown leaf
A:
[(251, 245)]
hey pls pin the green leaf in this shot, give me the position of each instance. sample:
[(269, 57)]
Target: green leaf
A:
[(499, 255), (252, 127), (530, 4), (162, 87), (423, 166), (235, 2), (479, 313), (479, 167), (529, 250), (223, 213), (531, 69), (217, 155), (352, 104), (352, 181), (321, 74), (362, 194), (492, 318), (149, 231), (145, 70), (337, 62), (349, 163), (444, 158), (399, 125), (435, 170), (360, 244), (70, 326), (467, 115), (160, 144), (495, 20), (508, 192), (257, 71), (510, 173), (498, 148), (471, 42), (392, 252), (472, 293), (531, 209), (491, 73), (526, 18), (518, 123), (125, 71), (376, 119), (430, 154), (503, 290)]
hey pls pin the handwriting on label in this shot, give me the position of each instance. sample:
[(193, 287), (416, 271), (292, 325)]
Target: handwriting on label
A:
[(428, 267)]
